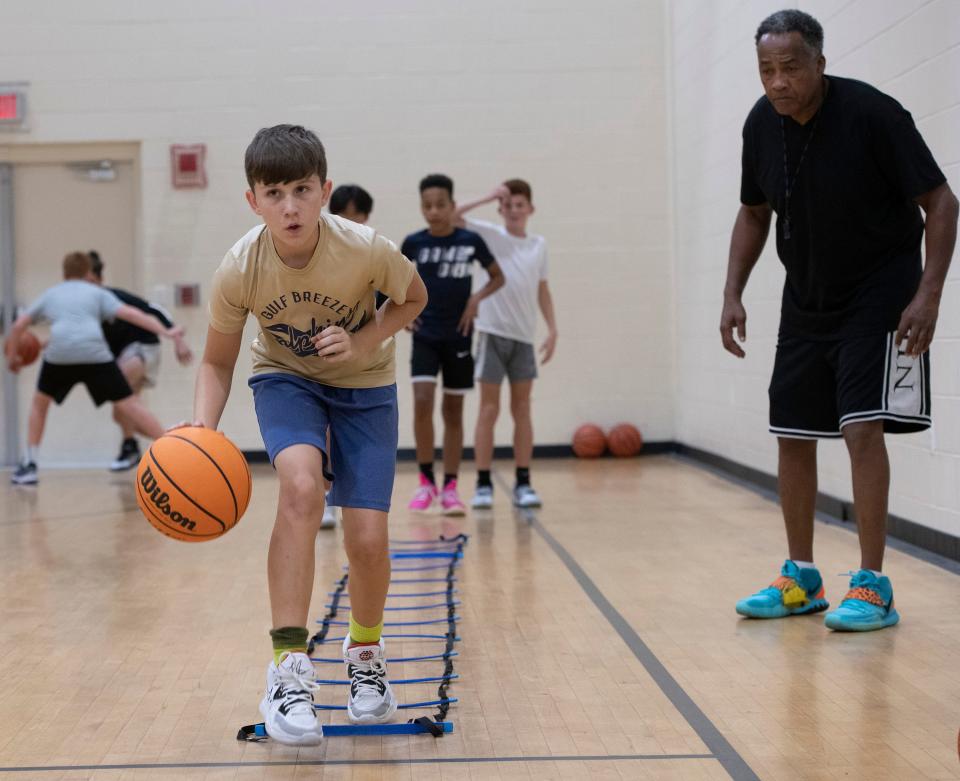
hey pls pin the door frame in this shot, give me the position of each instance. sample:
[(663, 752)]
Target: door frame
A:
[(15, 154)]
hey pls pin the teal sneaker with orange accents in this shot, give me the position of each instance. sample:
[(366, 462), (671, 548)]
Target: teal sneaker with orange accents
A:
[(868, 605), (796, 592)]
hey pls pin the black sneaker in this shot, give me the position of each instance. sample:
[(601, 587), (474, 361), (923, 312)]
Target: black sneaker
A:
[(26, 474), (129, 456)]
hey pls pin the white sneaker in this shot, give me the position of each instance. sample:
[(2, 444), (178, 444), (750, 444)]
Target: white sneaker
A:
[(331, 514), (371, 698), (287, 707), (482, 498), (525, 496)]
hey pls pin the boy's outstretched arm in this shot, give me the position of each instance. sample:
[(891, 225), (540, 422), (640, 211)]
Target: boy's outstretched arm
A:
[(336, 345), (497, 194), (215, 376), (147, 322), (546, 307)]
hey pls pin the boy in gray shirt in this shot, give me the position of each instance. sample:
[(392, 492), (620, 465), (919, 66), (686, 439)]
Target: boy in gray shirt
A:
[(78, 352)]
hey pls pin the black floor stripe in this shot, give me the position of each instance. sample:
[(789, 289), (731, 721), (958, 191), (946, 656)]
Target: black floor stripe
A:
[(732, 762), (312, 762)]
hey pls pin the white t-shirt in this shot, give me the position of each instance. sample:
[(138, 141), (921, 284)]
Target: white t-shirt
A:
[(512, 310)]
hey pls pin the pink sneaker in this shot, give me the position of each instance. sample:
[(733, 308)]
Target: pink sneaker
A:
[(425, 496), (450, 500)]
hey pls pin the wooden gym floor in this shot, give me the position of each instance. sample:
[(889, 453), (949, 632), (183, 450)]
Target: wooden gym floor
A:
[(598, 641)]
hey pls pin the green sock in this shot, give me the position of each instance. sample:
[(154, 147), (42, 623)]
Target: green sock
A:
[(288, 639)]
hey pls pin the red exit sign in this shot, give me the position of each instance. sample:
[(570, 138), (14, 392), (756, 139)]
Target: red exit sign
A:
[(12, 105)]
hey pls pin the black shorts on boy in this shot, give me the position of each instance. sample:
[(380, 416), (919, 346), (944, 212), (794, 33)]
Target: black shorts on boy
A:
[(104, 381), (452, 357), (445, 264)]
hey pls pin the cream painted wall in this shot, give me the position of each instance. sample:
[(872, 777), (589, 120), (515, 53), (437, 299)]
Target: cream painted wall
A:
[(907, 48), (569, 96)]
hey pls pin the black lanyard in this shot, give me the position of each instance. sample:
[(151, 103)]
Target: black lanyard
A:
[(788, 184)]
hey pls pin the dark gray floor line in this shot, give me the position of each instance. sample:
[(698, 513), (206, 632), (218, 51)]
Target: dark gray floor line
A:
[(714, 740), (312, 762)]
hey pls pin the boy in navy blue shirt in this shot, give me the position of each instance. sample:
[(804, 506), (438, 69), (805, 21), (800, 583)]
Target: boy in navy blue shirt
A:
[(444, 255)]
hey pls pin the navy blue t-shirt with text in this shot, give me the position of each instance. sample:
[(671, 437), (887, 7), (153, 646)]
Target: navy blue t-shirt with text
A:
[(445, 264)]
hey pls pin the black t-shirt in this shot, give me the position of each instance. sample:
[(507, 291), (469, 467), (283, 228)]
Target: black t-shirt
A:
[(853, 253), (120, 333), (445, 264)]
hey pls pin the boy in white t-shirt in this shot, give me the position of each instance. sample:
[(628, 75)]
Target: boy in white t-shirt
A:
[(506, 324)]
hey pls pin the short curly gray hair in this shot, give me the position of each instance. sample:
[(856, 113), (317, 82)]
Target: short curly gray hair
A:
[(793, 21)]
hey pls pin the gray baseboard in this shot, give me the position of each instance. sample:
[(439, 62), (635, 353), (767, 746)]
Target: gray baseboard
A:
[(539, 451), (931, 545)]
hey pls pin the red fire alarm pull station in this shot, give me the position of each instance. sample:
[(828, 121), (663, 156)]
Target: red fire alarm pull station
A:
[(13, 105), (188, 165), (186, 294)]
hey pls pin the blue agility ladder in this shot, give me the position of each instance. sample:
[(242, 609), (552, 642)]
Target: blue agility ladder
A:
[(437, 725)]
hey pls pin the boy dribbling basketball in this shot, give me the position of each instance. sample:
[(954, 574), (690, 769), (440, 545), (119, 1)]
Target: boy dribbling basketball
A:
[(324, 356)]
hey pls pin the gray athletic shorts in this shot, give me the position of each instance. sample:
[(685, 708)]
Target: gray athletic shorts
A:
[(498, 356), (149, 354)]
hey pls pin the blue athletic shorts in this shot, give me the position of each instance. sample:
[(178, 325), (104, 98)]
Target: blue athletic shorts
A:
[(293, 410)]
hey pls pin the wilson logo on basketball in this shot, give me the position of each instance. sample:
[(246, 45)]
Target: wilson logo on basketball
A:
[(161, 500), (366, 656)]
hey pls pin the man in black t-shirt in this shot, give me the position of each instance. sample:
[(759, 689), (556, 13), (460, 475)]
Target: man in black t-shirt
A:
[(138, 355), (847, 174), (444, 255)]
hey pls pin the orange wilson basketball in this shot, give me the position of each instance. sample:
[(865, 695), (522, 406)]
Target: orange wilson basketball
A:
[(624, 440), (193, 484), (28, 347), (589, 441)]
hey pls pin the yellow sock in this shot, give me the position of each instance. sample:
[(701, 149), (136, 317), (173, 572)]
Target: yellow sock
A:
[(364, 634), (278, 652)]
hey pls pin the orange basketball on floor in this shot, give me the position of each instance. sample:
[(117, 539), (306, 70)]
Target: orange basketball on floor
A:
[(28, 347), (624, 440), (193, 484), (589, 441)]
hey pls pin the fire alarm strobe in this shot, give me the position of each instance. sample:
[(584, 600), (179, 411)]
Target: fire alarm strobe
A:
[(13, 105), (188, 166)]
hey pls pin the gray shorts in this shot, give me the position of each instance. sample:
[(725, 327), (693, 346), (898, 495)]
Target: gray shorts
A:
[(498, 356), (149, 354)]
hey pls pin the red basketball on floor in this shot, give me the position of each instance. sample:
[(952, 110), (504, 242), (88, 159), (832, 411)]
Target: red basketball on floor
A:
[(193, 484), (589, 441), (28, 347), (624, 440)]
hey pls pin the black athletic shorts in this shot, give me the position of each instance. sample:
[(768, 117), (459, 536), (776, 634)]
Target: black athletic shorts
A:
[(818, 387), (455, 358), (104, 381)]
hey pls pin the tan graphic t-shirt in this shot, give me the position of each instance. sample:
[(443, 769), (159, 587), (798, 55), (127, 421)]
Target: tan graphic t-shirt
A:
[(336, 287)]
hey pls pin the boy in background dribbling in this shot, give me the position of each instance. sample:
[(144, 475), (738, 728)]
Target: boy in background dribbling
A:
[(78, 353)]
